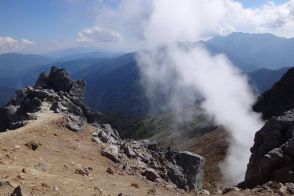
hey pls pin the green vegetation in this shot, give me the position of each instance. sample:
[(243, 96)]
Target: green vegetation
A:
[(130, 127), (170, 125)]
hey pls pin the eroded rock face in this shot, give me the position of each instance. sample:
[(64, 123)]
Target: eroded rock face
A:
[(56, 90), (272, 156)]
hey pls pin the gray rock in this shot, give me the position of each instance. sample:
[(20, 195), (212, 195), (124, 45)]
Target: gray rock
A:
[(129, 151), (10, 110), (111, 152), (183, 169), (272, 154), (153, 146), (74, 123), (104, 137), (150, 174), (96, 139), (231, 189), (95, 133), (290, 187), (176, 175), (82, 171), (111, 132), (108, 135), (58, 107), (32, 105), (192, 165), (73, 126), (17, 192)]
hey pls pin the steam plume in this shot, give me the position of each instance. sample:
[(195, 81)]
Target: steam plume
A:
[(183, 72)]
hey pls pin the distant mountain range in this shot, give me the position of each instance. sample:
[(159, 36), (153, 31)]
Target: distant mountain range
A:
[(114, 85), (263, 79), (253, 51), (81, 53), (114, 81), (13, 63)]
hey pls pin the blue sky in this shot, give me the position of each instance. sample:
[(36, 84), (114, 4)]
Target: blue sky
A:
[(54, 19), (42, 19), (256, 3), (57, 23)]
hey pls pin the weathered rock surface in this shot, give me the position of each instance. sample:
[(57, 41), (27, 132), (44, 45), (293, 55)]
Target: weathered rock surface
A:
[(111, 152), (58, 91), (182, 169), (272, 156), (279, 99)]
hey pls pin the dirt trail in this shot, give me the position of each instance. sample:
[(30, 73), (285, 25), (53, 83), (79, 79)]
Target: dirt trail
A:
[(50, 169)]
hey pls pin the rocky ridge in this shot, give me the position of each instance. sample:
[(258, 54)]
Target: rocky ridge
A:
[(57, 92), (144, 158), (272, 158)]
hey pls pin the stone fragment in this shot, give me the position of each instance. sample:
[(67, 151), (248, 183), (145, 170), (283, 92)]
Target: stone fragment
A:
[(150, 174), (111, 152)]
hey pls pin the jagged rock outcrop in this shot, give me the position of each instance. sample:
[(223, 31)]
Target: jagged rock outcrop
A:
[(144, 158), (56, 91), (279, 99), (272, 156)]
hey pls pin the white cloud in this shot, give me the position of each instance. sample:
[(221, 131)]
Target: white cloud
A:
[(128, 18), (95, 35), (9, 44), (272, 18)]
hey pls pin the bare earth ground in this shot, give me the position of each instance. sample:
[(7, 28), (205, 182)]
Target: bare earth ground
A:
[(50, 169)]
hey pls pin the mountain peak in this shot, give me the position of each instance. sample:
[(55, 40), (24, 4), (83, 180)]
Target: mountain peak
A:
[(242, 35), (56, 91)]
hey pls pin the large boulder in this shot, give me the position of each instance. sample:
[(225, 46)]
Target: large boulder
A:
[(192, 165), (111, 152), (186, 170), (272, 156)]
